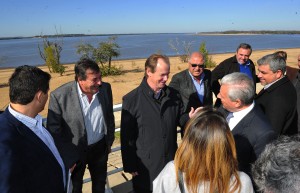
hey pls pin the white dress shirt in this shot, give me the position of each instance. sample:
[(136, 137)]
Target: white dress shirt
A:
[(93, 117), (238, 116)]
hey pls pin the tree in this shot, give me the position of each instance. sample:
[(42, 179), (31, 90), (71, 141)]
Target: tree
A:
[(102, 54), (86, 50), (209, 63), (107, 50), (182, 49), (50, 53)]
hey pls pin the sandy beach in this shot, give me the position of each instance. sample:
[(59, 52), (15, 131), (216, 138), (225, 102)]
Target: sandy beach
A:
[(132, 76)]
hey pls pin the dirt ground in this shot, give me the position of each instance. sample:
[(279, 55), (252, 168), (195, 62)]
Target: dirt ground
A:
[(132, 76)]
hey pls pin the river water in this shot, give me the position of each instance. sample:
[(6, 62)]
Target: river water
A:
[(16, 52)]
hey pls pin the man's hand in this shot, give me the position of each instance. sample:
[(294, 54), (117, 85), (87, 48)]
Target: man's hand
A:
[(194, 111), (134, 174), (108, 149), (72, 168)]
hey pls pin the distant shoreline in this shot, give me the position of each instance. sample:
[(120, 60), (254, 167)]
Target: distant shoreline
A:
[(231, 32)]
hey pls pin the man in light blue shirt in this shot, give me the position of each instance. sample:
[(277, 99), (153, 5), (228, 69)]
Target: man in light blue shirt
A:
[(194, 83), (30, 161)]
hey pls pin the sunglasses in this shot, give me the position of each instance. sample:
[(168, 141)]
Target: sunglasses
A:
[(199, 65)]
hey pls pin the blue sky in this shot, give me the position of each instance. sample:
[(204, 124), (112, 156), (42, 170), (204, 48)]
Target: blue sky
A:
[(36, 17)]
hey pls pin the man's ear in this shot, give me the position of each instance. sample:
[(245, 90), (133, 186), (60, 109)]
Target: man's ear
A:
[(238, 103), (39, 95), (148, 72), (279, 74)]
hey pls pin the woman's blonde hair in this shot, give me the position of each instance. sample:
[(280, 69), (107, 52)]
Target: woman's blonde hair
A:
[(207, 154)]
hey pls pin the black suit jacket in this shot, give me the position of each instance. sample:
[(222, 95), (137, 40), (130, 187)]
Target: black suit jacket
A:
[(26, 163), (251, 135), (66, 124), (279, 103), (183, 83), (228, 66), (149, 131)]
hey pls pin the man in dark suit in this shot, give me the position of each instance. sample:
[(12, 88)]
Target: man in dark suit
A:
[(150, 116), (278, 98), (194, 83), (29, 160), (296, 83), (250, 128), (81, 121), (240, 62)]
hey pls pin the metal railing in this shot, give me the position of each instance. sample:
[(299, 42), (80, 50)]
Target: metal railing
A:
[(116, 108)]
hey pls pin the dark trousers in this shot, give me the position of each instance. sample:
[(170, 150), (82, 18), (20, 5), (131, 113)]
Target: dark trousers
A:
[(95, 157), (137, 189)]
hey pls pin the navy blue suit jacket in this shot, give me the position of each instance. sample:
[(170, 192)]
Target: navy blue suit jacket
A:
[(279, 103), (251, 136), (26, 163)]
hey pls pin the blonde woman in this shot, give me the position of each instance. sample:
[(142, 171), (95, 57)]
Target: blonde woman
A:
[(206, 158)]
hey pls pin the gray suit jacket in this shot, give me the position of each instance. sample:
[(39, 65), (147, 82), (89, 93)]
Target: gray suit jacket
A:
[(66, 124)]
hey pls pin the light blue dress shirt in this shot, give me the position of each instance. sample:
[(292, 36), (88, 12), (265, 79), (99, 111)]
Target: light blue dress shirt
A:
[(199, 86)]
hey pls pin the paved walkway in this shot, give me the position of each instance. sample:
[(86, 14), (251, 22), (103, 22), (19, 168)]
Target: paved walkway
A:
[(119, 182)]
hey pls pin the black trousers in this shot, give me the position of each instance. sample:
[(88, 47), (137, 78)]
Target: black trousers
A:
[(95, 158), (137, 189)]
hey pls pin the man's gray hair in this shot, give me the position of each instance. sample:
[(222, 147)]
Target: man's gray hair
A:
[(241, 87), (276, 62), (277, 170)]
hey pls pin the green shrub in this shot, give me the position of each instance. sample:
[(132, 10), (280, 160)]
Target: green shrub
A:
[(112, 70), (209, 63)]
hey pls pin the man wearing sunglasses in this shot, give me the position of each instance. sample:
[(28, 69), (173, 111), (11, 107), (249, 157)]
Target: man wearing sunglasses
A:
[(240, 62), (194, 83)]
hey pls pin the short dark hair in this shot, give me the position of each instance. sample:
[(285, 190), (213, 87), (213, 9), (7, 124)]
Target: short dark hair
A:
[(82, 66), (25, 82), (281, 54), (151, 62), (244, 46)]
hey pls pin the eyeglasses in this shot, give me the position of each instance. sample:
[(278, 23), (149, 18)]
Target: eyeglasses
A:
[(199, 65)]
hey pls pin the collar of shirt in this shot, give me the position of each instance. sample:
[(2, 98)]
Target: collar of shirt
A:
[(157, 95), (247, 63), (238, 116), (81, 94), (270, 84), (33, 123), (202, 75)]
